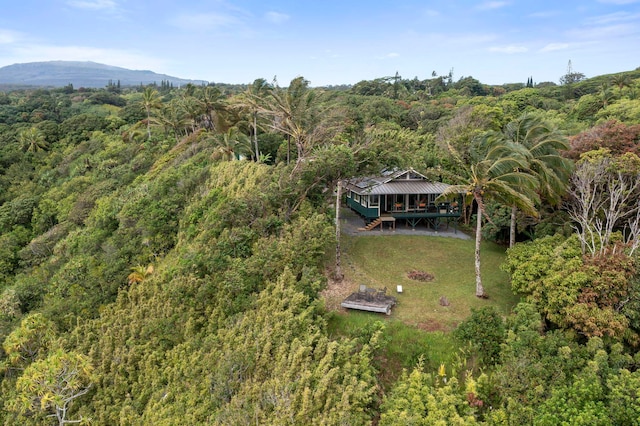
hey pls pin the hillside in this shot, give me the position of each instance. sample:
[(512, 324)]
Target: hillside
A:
[(150, 276), (81, 74)]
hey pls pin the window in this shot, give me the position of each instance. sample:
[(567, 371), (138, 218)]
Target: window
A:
[(374, 200)]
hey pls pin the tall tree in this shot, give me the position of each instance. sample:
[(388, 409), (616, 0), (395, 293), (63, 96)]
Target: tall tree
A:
[(495, 174), (621, 81), (172, 118), (231, 144), (254, 97), (605, 197), (192, 109), (150, 101), (32, 140), (294, 113), (542, 144), (52, 384), (569, 79), (212, 103)]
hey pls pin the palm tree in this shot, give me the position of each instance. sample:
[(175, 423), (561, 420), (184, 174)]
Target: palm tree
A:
[(494, 175), (292, 112), (621, 81), (32, 140), (150, 101), (542, 144), (172, 118), (231, 144), (254, 100), (192, 110), (605, 94), (211, 102), (139, 274)]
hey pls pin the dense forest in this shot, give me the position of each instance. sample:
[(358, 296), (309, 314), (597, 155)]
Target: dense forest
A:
[(163, 250)]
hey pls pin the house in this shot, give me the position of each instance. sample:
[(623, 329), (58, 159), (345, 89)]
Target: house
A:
[(401, 195)]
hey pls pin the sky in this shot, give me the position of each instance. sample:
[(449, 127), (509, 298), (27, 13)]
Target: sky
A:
[(329, 42)]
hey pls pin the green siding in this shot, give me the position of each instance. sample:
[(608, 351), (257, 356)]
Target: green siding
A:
[(367, 212)]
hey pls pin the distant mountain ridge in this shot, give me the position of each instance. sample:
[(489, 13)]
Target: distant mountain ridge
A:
[(81, 74)]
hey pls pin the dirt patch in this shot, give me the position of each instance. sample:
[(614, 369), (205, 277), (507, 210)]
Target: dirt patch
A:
[(432, 326), (420, 276), (336, 292)]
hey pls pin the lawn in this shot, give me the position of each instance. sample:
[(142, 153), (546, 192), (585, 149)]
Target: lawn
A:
[(379, 261), (418, 326)]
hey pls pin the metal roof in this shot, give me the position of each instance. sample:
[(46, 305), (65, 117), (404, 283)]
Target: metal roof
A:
[(390, 184), (407, 187)]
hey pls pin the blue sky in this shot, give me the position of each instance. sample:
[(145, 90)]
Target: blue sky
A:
[(327, 41)]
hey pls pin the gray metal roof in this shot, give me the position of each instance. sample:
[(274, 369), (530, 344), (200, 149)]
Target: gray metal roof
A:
[(408, 187), (392, 183)]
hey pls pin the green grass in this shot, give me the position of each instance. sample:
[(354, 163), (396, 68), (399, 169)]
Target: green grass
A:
[(418, 326), (378, 261), (402, 345)]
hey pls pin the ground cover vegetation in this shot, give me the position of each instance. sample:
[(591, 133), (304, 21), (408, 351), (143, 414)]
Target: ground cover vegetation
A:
[(163, 252)]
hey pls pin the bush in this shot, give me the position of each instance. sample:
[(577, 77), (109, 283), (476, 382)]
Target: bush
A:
[(484, 330)]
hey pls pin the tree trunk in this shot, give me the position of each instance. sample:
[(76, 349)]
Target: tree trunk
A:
[(479, 288), (255, 135), (148, 124), (288, 148), (338, 271), (512, 228)]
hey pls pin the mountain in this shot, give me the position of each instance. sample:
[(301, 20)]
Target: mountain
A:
[(81, 74)]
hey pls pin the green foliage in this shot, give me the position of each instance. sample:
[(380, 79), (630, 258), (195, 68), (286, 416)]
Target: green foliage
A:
[(581, 294), (228, 328), (623, 399), (401, 346), (532, 365), (420, 398), (526, 99), (29, 341), (17, 211), (496, 229), (587, 107), (10, 245), (624, 110), (50, 386), (79, 127), (484, 332), (578, 404)]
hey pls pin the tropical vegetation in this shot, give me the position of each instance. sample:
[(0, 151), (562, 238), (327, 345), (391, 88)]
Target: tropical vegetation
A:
[(164, 251)]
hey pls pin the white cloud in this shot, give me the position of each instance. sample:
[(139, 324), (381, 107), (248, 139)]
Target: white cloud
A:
[(115, 57), (93, 4), (604, 32), (510, 49), (276, 18), (544, 14), (446, 40), (204, 21), (552, 47), (620, 2), (490, 5), (430, 13), (8, 36), (389, 55), (613, 17)]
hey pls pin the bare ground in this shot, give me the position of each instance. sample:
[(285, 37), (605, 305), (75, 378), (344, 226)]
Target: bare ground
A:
[(336, 292)]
